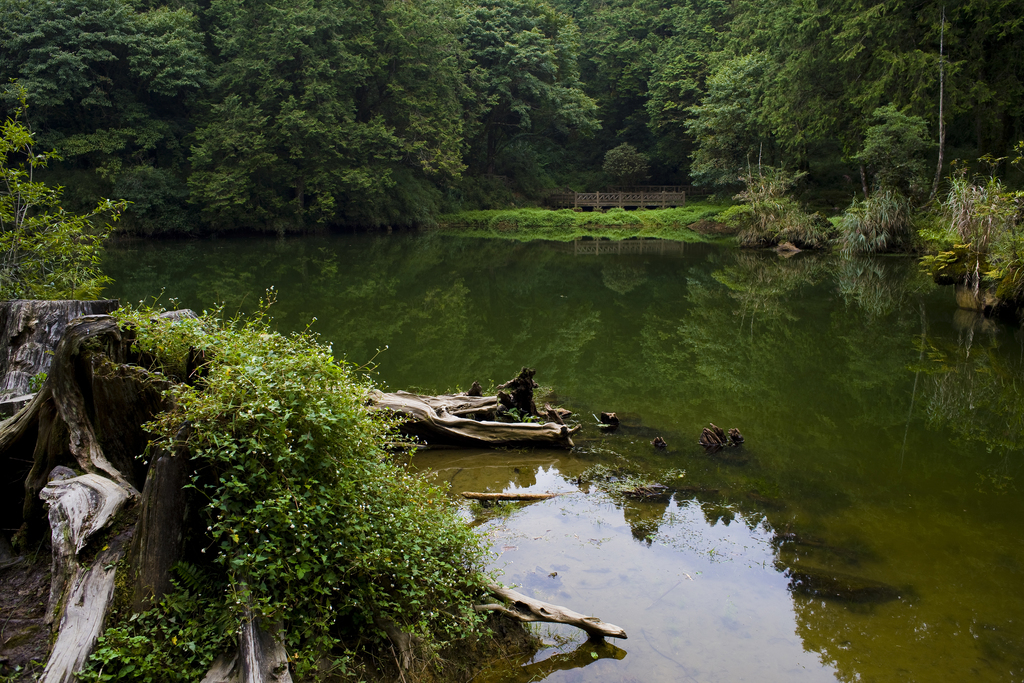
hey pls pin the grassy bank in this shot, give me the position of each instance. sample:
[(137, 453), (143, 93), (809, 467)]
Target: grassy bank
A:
[(565, 224)]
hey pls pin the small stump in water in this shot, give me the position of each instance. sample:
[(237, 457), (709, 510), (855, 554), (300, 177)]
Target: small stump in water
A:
[(714, 438), (609, 422)]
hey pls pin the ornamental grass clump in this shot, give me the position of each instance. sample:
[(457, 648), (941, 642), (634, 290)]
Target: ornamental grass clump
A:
[(298, 515), (773, 217), (882, 222)]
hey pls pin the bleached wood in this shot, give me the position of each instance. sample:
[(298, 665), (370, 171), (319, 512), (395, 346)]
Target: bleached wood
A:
[(85, 610), (81, 506), (78, 508), (224, 670), (526, 609), (507, 496), (439, 426), (260, 658)]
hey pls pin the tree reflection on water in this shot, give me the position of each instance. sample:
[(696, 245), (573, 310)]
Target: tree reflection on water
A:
[(883, 427)]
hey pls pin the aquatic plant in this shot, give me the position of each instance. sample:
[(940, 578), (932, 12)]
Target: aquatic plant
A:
[(978, 239)]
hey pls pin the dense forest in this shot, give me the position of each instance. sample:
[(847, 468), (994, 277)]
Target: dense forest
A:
[(292, 115)]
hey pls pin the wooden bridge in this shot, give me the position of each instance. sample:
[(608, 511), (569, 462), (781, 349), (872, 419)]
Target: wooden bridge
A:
[(646, 197)]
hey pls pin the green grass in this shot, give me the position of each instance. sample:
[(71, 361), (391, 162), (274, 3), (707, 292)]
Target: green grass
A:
[(565, 225)]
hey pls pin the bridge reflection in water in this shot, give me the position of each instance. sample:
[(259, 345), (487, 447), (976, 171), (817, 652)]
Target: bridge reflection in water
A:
[(582, 247)]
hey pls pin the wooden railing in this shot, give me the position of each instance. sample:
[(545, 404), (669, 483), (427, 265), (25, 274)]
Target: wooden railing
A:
[(605, 200), (688, 189)]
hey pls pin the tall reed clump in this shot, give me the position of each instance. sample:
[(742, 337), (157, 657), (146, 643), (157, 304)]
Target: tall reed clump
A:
[(774, 217), (979, 242), (979, 239), (882, 222)]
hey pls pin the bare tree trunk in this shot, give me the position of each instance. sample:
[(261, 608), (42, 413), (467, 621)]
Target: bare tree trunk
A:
[(864, 181), (942, 98)]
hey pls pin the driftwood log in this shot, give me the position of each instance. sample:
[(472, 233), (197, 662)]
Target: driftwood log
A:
[(507, 496), (520, 394), (526, 609), (440, 420)]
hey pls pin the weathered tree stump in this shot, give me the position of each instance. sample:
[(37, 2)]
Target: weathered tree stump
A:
[(260, 658), (74, 475), (88, 415), (520, 394), (714, 438), (28, 330)]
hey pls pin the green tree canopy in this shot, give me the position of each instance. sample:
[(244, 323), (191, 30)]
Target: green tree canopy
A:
[(726, 124), (525, 71), (317, 103), (894, 148), (626, 165)]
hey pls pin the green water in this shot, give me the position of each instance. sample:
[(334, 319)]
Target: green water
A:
[(883, 440)]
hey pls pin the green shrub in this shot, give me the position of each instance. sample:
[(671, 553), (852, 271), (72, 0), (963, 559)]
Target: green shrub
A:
[(305, 520), (738, 217), (45, 251), (978, 236)]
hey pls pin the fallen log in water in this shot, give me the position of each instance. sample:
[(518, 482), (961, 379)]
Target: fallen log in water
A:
[(527, 610), (507, 496), (436, 419)]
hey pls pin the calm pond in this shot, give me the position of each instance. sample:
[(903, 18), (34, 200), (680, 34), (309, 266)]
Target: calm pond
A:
[(869, 529)]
